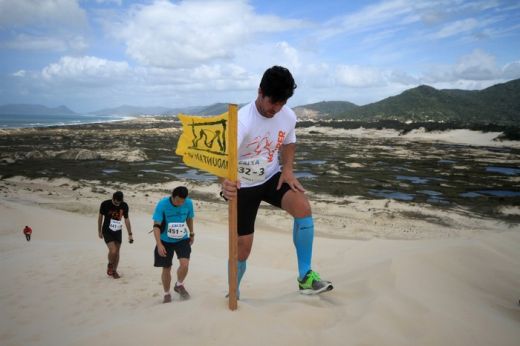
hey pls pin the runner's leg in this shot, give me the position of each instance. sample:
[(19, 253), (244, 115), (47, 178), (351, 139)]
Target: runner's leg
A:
[(182, 271), (112, 253), (245, 243), (116, 261), (166, 278), (296, 204)]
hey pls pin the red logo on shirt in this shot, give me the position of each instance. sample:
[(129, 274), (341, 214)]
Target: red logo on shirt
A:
[(262, 145)]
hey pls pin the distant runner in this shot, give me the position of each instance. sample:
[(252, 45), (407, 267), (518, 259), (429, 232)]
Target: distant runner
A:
[(174, 233), (27, 231), (110, 225), (266, 130)]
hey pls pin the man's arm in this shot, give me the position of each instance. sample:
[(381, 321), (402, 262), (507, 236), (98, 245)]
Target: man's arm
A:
[(189, 222), (129, 229), (157, 235), (99, 223), (287, 153)]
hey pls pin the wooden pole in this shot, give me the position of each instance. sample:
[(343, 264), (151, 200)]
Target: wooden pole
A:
[(232, 207)]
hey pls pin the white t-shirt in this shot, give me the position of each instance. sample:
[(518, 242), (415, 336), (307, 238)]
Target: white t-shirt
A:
[(259, 142)]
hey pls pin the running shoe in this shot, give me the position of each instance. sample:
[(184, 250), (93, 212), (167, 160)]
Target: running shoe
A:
[(110, 269), (167, 298), (182, 291), (313, 284)]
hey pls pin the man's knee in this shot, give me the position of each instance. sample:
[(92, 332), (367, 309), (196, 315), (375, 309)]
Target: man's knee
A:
[(184, 263), (243, 255), (244, 246), (296, 204)]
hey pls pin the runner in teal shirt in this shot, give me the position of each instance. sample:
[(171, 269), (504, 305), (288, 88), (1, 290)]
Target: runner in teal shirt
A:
[(171, 215), (174, 234)]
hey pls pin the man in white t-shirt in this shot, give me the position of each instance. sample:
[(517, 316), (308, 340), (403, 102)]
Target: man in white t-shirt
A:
[(266, 128)]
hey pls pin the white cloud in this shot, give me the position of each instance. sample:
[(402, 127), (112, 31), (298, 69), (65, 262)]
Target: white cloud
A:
[(30, 42), (45, 25), (316, 76), (41, 13), (85, 70), (356, 76), (456, 28), (512, 70), (256, 57), (117, 2), (201, 78), (45, 43), (190, 33), (473, 71), (290, 53), (20, 73), (382, 15), (478, 65)]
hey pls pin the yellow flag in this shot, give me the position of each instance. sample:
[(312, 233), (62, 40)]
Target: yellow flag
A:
[(203, 143)]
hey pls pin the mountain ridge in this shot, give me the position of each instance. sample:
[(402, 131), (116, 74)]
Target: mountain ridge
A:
[(34, 109), (497, 104)]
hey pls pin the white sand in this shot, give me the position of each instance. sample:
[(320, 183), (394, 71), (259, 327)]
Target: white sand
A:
[(461, 136), (451, 285)]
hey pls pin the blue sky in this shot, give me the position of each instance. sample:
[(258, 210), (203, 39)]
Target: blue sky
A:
[(92, 54)]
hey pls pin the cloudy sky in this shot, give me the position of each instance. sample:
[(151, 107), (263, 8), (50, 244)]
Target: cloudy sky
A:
[(91, 54)]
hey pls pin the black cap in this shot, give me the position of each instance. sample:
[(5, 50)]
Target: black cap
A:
[(117, 196)]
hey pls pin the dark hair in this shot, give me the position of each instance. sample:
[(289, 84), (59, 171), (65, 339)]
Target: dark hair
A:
[(277, 83), (180, 191), (117, 196)]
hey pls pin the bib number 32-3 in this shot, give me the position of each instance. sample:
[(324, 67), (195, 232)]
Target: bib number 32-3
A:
[(252, 170)]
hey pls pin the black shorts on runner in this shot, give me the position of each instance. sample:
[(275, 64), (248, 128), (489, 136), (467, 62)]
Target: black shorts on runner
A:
[(181, 248), (249, 201), (111, 236)]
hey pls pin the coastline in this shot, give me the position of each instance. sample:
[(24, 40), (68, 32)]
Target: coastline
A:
[(462, 169), (28, 121)]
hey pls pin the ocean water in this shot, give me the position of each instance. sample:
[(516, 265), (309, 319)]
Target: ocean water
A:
[(18, 121)]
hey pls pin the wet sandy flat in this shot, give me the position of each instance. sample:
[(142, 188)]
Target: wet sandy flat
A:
[(458, 169)]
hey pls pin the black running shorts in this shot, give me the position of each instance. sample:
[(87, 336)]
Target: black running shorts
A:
[(181, 248), (110, 236), (249, 199)]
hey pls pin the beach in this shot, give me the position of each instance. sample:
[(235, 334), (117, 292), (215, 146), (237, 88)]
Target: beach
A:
[(397, 280), (419, 233)]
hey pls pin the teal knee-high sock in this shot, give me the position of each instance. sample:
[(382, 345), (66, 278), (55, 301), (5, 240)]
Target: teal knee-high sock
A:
[(303, 235), (241, 269)]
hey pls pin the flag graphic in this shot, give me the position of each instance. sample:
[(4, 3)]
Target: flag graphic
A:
[(204, 143)]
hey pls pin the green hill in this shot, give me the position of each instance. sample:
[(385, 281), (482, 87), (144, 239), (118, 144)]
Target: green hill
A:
[(328, 108), (498, 104), (32, 109)]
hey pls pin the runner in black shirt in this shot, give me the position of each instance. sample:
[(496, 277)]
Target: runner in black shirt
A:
[(110, 225)]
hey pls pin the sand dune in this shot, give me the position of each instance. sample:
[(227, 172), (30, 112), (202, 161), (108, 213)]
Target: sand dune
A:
[(457, 287)]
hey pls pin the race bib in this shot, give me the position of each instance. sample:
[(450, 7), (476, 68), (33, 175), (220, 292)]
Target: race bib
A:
[(115, 225), (176, 230), (252, 170)]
